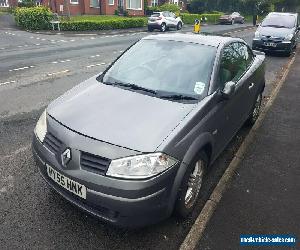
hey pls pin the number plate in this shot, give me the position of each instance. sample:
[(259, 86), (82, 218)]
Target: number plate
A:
[(65, 182), (270, 44)]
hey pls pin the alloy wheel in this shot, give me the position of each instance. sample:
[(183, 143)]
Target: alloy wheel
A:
[(256, 109), (194, 184)]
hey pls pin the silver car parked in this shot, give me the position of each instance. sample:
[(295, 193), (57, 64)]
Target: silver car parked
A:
[(163, 21)]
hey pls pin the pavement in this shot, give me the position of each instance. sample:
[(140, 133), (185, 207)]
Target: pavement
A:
[(265, 191)]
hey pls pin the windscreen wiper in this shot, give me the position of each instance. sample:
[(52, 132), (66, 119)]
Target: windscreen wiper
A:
[(178, 97), (131, 86), (275, 26)]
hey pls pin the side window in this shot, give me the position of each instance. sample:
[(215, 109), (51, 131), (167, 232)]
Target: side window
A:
[(166, 14), (250, 57), (235, 60)]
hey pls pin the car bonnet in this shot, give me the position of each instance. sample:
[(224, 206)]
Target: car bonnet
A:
[(117, 116), (274, 32)]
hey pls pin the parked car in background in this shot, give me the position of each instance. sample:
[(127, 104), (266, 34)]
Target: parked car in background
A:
[(277, 32), (235, 17), (132, 144), (163, 21)]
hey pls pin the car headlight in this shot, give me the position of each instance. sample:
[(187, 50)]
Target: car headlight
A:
[(41, 127), (288, 37), (140, 166), (257, 34)]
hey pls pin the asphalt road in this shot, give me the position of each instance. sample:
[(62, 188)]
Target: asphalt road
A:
[(35, 69)]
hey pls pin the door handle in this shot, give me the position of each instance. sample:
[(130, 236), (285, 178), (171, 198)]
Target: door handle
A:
[(251, 85)]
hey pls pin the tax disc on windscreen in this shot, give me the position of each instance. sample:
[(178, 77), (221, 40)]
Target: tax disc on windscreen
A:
[(199, 88)]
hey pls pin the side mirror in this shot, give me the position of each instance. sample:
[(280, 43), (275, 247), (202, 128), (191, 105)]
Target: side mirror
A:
[(228, 90), (257, 24)]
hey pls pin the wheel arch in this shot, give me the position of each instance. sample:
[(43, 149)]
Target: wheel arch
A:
[(205, 143)]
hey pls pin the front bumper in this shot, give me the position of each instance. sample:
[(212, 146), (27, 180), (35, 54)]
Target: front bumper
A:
[(282, 46), (125, 203)]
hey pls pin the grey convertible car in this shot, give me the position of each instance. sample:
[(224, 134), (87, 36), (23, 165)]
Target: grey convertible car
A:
[(131, 145)]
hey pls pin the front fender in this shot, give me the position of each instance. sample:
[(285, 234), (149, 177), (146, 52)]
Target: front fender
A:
[(191, 154)]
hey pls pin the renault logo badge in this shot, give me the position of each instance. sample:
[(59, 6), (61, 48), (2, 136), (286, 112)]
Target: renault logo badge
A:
[(66, 157)]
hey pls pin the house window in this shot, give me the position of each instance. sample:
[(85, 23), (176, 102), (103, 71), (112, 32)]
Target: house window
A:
[(74, 1), (134, 4), (111, 2), (154, 2), (94, 3)]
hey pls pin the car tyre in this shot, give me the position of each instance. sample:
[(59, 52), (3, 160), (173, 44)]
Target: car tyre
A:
[(163, 27), (179, 26), (190, 186), (255, 111)]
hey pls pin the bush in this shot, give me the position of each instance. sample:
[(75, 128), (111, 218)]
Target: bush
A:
[(118, 23), (35, 18), (190, 18)]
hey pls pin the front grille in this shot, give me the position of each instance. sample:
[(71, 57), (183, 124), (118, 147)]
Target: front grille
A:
[(272, 39), (52, 143), (94, 163)]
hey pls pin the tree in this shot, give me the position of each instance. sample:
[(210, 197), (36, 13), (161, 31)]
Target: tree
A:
[(259, 6), (244, 6)]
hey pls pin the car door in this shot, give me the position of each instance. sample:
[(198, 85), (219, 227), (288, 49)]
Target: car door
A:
[(246, 81), (254, 76), (234, 67), (226, 110), (167, 18), (173, 19)]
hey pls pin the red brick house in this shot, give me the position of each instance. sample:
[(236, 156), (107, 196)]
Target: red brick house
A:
[(95, 7)]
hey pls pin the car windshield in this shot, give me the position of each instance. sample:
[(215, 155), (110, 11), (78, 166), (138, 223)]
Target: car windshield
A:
[(166, 68), (279, 21), (155, 15)]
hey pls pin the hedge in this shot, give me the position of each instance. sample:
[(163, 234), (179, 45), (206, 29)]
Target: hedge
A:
[(118, 23), (35, 18), (190, 18), (38, 18)]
